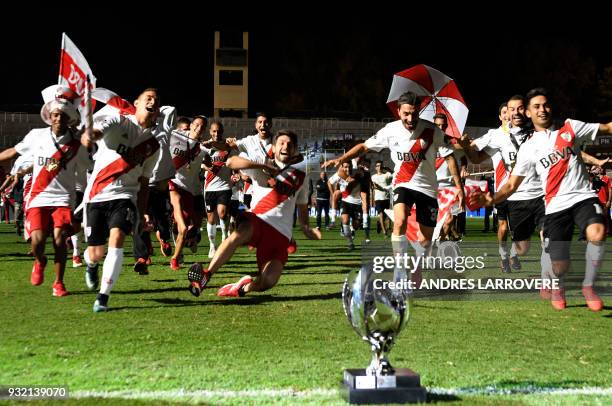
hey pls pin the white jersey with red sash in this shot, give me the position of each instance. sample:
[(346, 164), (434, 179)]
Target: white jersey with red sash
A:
[(274, 202), (217, 179), (507, 143), (187, 158), (255, 148), (125, 153), (555, 156), (413, 153), (353, 196), (58, 162), (500, 174)]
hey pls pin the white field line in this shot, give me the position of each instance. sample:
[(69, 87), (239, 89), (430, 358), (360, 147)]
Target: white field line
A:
[(310, 393)]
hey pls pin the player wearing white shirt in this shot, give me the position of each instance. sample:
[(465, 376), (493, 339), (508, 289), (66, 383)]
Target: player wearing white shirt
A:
[(126, 156), (413, 144), (57, 157), (234, 208), (246, 190), (350, 189), (450, 227), (524, 211), (257, 146), (381, 184), (21, 174), (555, 156), (156, 213), (217, 185), (268, 227), (187, 155)]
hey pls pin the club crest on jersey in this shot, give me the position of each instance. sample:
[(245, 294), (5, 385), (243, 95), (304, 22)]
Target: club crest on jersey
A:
[(423, 143), (567, 137)]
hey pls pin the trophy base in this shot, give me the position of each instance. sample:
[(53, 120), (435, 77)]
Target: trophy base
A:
[(402, 387)]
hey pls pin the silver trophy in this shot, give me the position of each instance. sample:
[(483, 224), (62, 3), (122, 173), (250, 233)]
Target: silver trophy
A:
[(378, 312)]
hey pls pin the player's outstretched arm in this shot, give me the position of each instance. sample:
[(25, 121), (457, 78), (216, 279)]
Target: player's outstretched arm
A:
[(454, 171), (466, 144), (502, 194), (591, 160), (220, 145), (8, 153), (303, 217), (605, 128), (357, 150), (238, 162)]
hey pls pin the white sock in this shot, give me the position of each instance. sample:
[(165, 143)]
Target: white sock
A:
[(513, 250), (223, 228), (212, 233), (593, 256), (546, 264), (75, 245), (332, 215), (111, 269), (346, 231), (399, 244), (88, 261), (503, 250)]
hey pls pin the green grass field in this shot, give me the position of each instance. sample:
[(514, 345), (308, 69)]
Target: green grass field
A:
[(160, 345)]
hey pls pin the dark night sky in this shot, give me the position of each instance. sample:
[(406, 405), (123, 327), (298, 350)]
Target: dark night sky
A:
[(316, 69)]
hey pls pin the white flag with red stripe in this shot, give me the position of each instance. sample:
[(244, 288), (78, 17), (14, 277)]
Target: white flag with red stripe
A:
[(76, 74), (74, 68), (113, 100)]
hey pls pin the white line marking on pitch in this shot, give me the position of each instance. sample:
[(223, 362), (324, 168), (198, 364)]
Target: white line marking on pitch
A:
[(207, 394)]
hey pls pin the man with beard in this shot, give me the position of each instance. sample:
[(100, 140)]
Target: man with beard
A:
[(277, 189)]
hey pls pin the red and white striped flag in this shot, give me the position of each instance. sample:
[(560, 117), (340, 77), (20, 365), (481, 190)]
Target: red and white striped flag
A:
[(76, 74), (74, 68)]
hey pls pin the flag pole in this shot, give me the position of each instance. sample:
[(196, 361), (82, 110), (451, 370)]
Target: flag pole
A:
[(89, 115), (59, 78)]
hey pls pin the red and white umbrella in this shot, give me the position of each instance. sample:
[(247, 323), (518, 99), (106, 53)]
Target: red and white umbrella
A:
[(439, 94)]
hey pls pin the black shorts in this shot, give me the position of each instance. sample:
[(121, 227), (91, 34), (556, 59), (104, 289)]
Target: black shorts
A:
[(381, 205), (198, 204), (559, 226), (353, 210), (104, 216), (247, 200), (219, 197), (502, 211), (426, 206), (78, 217), (524, 216), (234, 208)]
